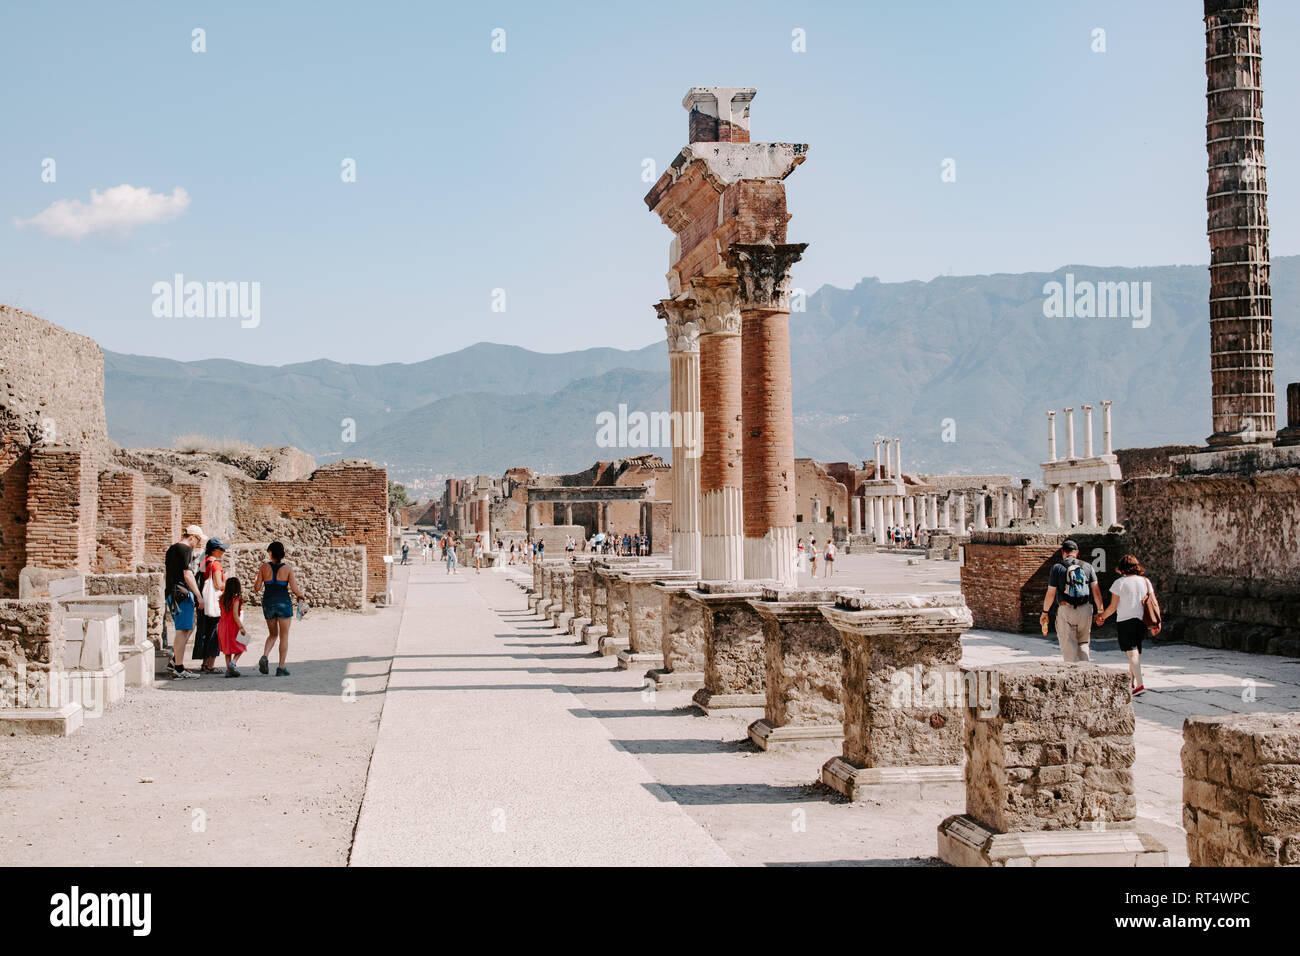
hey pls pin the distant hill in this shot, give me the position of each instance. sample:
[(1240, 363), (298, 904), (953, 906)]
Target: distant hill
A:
[(877, 359)]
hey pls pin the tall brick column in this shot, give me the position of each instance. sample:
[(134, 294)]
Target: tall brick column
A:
[(721, 511), (681, 317), (767, 429), (1241, 306)]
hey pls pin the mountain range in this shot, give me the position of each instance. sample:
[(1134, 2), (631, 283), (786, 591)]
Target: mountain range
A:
[(962, 368)]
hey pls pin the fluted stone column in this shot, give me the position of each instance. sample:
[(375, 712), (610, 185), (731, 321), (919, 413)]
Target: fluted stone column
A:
[(981, 524), (878, 516), (1108, 509), (1089, 503), (1071, 504), (855, 515), (722, 541), (763, 275), (1053, 492), (681, 317), (898, 457), (946, 518)]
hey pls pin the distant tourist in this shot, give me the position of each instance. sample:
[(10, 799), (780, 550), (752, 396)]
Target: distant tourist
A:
[(830, 557), (182, 594), (208, 613), (1128, 595), (478, 552), (277, 606), (231, 634), (812, 555), (406, 548), (449, 554), (1072, 586)]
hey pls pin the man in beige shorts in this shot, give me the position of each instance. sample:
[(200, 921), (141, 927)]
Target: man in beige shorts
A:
[(1074, 584)]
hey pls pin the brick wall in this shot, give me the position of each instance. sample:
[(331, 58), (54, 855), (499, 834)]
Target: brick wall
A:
[(62, 492), (1000, 584), (339, 505), (120, 529), (15, 462), (162, 527), (31, 652)]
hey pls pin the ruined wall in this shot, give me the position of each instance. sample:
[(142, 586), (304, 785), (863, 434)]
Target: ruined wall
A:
[(340, 505), (148, 583), (62, 496), (812, 480), (162, 523), (31, 652), (329, 577), (122, 519)]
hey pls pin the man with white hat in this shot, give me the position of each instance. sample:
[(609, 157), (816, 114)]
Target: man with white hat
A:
[(182, 594)]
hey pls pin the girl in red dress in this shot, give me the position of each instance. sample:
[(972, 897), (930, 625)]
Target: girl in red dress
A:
[(230, 629)]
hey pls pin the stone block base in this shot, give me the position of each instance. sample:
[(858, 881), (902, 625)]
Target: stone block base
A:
[(963, 841), (676, 680), (629, 660), (138, 659), (865, 783), (592, 633), (806, 737), (97, 690), (41, 721), (576, 624), (609, 646), (708, 701)]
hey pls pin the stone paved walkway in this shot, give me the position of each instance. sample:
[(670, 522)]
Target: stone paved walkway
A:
[(485, 755)]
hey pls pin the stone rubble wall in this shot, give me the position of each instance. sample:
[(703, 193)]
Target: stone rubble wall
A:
[(1056, 754), (329, 577), (1241, 790), (32, 650), (803, 664)]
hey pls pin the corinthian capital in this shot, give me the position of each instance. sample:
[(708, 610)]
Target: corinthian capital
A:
[(763, 273), (719, 299), (682, 323)]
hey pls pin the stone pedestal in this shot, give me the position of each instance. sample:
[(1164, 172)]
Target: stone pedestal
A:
[(733, 646), (645, 616), (903, 693), (681, 640), (1241, 790), (1049, 778), (135, 650), (617, 624), (802, 671)]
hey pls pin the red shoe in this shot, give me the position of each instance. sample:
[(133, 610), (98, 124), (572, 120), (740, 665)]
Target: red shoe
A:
[(1138, 690)]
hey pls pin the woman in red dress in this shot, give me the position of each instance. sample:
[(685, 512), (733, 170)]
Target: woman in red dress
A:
[(230, 629)]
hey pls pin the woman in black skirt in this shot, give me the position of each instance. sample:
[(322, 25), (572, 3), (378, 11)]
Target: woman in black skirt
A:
[(206, 644), (1126, 595)]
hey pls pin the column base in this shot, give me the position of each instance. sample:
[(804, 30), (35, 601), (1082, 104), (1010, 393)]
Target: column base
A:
[(806, 737), (630, 660), (41, 721), (592, 633), (576, 624), (608, 645), (686, 551), (864, 783), (676, 680), (708, 701), (963, 841), (772, 557)]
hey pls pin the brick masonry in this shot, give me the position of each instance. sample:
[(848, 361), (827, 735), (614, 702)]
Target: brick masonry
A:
[(62, 493), (122, 521)]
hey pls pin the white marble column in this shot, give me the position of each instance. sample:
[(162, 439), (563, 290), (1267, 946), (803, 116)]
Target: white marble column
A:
[(681, 318), (959, 500), (1108, 510), (946, 517), (981, 524), (1071, 504), (1105, 428), (878, 516), (855, 515), (1087, 430), (1054, 506), (1069, 433), (898, 456), (1089, 503)]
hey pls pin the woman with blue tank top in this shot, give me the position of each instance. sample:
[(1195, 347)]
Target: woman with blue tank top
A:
[(277, 606)]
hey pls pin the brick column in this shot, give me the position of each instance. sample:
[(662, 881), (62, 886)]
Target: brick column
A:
[(721, 510), (763, 272), (681, 317), (1241, 305)]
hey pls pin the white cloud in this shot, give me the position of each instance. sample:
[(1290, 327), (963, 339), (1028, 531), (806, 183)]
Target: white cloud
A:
[(116, 211)]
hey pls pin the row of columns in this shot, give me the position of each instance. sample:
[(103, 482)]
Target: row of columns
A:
[(733, 514), (1071, 503)]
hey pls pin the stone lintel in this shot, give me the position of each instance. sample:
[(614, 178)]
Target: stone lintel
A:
[(708, 702), (583, 494), (609, 646), (1078, 470), (964, 841), (869, 615), (883, 488)]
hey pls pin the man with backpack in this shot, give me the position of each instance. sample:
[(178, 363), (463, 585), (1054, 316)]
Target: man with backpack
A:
[(1072, 583)]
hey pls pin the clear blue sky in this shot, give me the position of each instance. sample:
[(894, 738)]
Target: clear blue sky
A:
[(522, 170)]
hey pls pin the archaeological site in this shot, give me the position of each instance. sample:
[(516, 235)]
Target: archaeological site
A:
[(934, 572)]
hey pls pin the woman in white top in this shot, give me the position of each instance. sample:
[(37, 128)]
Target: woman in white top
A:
[(1126, 596)]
